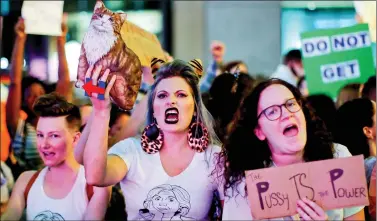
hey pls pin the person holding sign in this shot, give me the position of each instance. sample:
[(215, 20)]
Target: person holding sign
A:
[(178, 144), (22, 94), (59, 191), (276, 128)]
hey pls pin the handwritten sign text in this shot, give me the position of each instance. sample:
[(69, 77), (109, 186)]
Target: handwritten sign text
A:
[(337, 183)]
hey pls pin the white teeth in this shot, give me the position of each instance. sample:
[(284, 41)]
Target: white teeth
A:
[(291, 125), (172, 112), (172, 119)]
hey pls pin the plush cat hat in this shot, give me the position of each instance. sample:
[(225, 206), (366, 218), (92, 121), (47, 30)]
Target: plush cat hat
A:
[(195, 64)]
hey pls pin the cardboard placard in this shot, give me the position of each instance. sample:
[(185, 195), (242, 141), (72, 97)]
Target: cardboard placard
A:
[(43, 17), (332, 184), (145, 44), (333, 58)]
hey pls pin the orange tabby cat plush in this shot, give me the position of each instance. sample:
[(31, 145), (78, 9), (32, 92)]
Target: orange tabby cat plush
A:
[(103, 45)]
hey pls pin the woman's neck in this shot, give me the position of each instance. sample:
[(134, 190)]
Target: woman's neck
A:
[(175, 142), (372, 147), (280, 159)]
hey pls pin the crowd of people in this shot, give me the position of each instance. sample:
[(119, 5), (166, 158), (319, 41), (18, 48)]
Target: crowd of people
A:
[(182, 152)]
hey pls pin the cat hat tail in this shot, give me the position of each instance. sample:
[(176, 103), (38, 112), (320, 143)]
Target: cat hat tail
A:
[(195, 64)]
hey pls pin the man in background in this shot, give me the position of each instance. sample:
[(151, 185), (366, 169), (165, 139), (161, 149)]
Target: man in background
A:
[(292, 68)]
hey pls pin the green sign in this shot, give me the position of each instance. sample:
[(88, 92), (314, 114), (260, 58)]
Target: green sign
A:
[(333, 58)]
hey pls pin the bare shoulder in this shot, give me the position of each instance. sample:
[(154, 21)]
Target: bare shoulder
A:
[(26, 176), (23, 180)]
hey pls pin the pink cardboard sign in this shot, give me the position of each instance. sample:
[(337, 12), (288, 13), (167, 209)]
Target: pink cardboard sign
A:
[(332, 184)]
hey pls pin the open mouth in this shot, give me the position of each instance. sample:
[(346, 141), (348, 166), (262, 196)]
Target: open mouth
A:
[(171, 115), (48, 155), (290, 130)]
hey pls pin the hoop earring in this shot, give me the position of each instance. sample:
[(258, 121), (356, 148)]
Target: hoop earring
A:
[(198, 137), (152, 138)]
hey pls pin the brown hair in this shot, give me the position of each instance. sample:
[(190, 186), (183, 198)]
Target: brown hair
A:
[(348, 93), (232, 64), (54, 105)]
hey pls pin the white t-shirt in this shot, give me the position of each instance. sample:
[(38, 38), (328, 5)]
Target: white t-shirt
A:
[(151, 194), (284, 73), (237, 207), (71, 207)]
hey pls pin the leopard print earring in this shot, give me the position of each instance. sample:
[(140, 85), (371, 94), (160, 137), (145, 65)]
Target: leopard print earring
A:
[(152, 138), (198, 136)]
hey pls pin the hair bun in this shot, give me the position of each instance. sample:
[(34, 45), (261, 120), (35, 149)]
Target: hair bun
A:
[(197, 65)]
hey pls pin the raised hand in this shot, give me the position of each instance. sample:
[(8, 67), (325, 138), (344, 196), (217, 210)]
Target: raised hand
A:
[(19, 28), (309, 210), (217, 51), (64, 25), (100, 105)]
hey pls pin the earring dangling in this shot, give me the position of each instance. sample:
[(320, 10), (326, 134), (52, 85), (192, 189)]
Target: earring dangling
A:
[(152, 138), (198, 136)]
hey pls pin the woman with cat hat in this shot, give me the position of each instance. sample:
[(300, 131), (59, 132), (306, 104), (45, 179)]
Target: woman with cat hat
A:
[(178, 145)]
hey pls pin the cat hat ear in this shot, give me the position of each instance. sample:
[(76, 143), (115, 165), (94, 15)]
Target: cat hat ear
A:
[(123, 16), (156, 63), (99, 4), (197, 65)]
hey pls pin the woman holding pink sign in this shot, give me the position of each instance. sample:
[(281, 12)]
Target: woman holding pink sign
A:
[(274, 128)]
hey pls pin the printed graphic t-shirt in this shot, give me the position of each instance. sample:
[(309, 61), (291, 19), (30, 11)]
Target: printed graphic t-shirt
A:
[(71, 207), (237, 207), (151, 194)]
